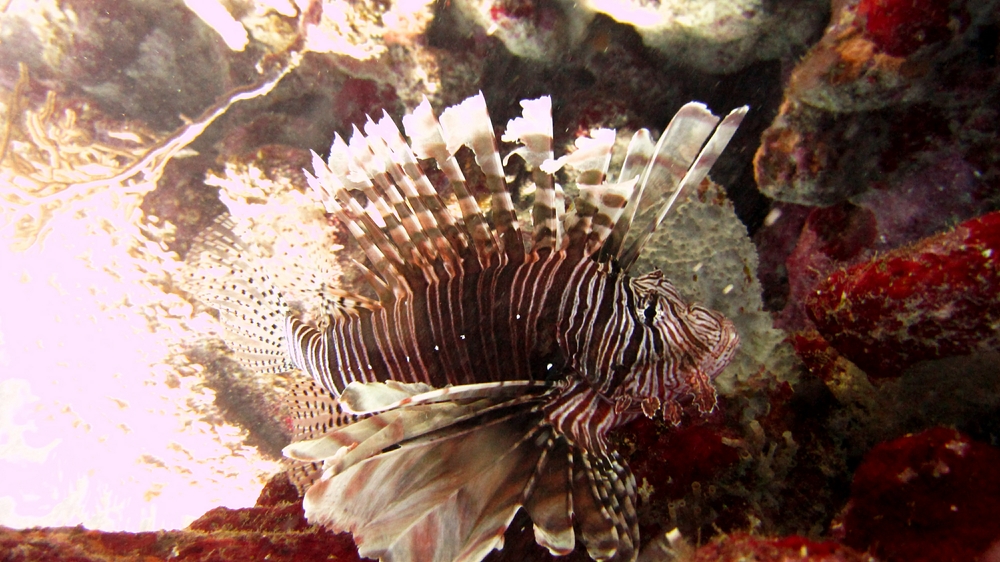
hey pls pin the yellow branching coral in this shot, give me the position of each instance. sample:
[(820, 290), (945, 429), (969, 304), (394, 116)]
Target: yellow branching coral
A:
[(52, 158)]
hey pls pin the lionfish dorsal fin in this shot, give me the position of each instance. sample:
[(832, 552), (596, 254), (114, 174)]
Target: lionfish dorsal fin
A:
[(681, 160), (591, 160), (468, 124), (637, 157), (437, 222), (370, 170), (533, 131), (602, 206), (428, 141), (329, 184)]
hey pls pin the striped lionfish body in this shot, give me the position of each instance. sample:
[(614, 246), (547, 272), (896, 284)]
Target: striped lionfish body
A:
[(486, 376)]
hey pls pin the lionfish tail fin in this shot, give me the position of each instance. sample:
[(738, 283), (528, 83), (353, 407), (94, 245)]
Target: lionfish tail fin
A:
[(439, 475), (223, 276)]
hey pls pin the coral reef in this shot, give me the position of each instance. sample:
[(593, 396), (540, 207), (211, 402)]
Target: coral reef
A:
[(929, 496), (741, 547), (889, 92), (938, 298), (722, 36), (858, 257), (540, 31), (274, 529)]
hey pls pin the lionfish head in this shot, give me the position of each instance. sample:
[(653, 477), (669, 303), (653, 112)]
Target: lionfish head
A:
[(685, 347)]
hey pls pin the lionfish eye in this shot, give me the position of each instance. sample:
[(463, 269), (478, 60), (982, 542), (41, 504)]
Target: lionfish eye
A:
[(650, 312)]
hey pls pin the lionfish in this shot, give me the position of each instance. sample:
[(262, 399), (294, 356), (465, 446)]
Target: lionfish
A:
[(488, 373)]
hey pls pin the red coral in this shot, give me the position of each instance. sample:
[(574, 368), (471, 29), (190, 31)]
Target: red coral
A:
[(671, 459), (938, 298), (930, 496), (273, 530), (900, 27), (739, 547)]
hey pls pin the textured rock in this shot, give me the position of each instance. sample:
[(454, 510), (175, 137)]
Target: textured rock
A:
[(721, 36), (704, 249), (885, 90), (536, 30), (938, 298), (122, 54), (931, 496)]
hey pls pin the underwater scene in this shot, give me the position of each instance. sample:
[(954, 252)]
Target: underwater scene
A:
[(463, 280)]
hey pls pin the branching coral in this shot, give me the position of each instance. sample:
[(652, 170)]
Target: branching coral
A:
[(57, 156)]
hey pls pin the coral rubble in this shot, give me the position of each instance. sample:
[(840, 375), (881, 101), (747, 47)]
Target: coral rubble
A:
[(740, 547)]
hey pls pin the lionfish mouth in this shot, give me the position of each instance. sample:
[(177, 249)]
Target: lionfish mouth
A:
[(426, 421)]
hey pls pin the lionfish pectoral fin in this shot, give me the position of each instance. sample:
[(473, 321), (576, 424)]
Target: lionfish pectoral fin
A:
[(550, 500), (223, 276), (363, 398), (435, 498), (604, 506)]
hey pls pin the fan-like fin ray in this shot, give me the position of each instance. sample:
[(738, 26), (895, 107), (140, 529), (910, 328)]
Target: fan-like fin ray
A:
[(550, 500), (695, 174), (637, 157), (533, 130), (428, 141), (595, 527), (250, 308), (469, 124), (443, 510), (379, 397), (438, 224)]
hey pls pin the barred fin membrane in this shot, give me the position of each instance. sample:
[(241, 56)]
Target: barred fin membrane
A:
[(486, 376), (313, 412)]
